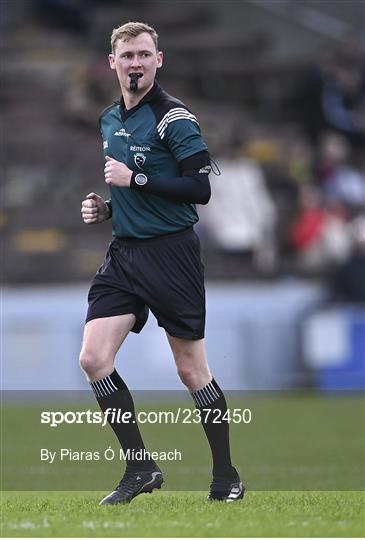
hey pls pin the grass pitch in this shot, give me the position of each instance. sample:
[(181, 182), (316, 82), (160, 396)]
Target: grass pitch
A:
[(184, 514)]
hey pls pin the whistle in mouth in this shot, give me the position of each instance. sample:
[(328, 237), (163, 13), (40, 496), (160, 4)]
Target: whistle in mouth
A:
[(134, 81)]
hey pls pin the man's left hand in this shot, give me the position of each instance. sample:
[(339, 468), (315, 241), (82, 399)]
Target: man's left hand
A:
[(117, 173)]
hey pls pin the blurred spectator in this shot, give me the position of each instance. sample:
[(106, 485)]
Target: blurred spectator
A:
[(346, 186), (343, 98), (334, 95), (286, 159), (241, 216), (348, 284), (319, 235), (342, 179), (333, 151)]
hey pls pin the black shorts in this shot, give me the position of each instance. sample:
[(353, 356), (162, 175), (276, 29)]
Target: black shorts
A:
[(164, 274)]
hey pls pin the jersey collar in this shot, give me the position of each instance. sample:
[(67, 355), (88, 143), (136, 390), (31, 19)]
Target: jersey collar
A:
[(151, 95)]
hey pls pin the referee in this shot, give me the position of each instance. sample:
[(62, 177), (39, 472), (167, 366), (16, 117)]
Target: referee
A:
[(157, 167)]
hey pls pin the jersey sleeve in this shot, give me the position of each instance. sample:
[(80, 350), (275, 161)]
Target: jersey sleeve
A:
[(180, 131)]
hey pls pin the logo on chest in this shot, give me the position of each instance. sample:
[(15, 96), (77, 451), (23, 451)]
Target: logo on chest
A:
[(122, 133), (139, 159)]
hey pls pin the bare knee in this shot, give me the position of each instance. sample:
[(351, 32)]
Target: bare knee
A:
[(193, 374), (188, 375), (95, 365), (87, 361), (191, 362)]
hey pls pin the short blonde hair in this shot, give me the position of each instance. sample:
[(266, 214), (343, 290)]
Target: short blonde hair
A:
[(131, 30)]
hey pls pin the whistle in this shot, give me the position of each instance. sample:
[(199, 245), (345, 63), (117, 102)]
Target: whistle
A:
[(133, 86)]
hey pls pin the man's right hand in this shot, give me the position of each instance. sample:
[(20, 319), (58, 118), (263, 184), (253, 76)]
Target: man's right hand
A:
[(94, 209)]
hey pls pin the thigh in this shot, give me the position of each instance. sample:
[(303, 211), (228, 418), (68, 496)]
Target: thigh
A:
[(190, 354)]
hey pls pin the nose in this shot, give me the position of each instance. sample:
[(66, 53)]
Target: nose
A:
[(136, 62)]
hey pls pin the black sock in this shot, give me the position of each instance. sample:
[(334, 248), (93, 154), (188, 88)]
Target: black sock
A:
[(112, 393), (212, 397)]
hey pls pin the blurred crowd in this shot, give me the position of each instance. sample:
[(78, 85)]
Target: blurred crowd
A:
[(300, 196)]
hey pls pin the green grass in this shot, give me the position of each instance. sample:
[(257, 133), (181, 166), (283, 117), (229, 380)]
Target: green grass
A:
[(184, 514)]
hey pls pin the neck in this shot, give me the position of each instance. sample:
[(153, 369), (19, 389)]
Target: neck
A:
[(131, 99)]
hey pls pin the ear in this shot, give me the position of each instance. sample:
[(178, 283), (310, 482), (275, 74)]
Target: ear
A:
[(159, 59), (111, 59)]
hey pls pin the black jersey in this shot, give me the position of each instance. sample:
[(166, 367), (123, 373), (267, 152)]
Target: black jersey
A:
[(151, 138)]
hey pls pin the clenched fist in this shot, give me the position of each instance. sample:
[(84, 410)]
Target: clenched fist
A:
[(117, 173), (94, 209)]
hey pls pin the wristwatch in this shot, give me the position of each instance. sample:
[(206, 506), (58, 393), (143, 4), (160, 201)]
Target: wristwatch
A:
[(108, 204), (140, 179)]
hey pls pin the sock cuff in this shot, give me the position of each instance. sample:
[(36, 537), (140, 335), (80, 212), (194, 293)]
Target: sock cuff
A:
[(207, 395), (109, 384), (117, 380)]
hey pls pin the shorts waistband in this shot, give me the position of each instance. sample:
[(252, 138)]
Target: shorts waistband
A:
[(126, 241)]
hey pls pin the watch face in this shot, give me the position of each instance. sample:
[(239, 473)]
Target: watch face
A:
[(141, 179)]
